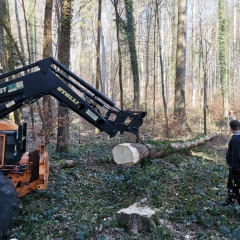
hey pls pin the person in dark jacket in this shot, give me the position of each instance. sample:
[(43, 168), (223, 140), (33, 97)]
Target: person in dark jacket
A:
[(233, 161)]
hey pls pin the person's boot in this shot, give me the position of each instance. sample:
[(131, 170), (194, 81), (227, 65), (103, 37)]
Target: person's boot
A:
[(231, 198), (229, 201)]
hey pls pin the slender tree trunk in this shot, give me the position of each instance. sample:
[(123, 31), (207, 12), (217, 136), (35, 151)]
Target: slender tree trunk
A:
[(98, 65), (47, 50), (4, 22), (154, 67), (115, 4), (32, 31), (234, 46), (174, 41), (222, 56), (148, 26), (32, 48), (19, 32), (47, 40), (103, 72), (8, 39), (1, 35), (179, 104), (9, 44), (130, 31), (193, 55), (162, 65), (27, 32), (64, 58)]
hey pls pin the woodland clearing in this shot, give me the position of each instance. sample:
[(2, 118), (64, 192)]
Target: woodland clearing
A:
[(185, 189)]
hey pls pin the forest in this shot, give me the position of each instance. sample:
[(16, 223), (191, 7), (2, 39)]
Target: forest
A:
[(167, 57), (175, 59)]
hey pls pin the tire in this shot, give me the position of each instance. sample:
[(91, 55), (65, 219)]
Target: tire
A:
[(9, 203)]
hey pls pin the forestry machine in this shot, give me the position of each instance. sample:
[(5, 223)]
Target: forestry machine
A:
[(22, 171)]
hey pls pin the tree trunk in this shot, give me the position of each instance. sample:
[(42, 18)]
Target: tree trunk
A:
[(64, 58), (1, 36), (98, 65), (154, 67), (235, 42), (222, 56), (47, 50), (115, 4), (147, 61), (193, 56), (32, 29), (130, 31), (27, 32), (205, 47), (8, 38), (174, 41), (103, 72), (4, 22), (19, 33), (9, 44), (129, 154), (179, 103), (29, 22), (162, 65)]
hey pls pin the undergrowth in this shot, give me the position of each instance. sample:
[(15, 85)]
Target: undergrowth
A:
[(81, 202)]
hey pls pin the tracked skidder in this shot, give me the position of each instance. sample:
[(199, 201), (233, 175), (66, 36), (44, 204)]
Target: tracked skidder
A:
[(22, 171)]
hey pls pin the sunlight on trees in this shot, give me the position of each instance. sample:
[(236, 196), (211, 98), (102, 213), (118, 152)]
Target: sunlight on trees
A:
[(139, 53)]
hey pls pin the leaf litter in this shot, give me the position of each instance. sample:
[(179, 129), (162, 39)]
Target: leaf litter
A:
[(81, 202)]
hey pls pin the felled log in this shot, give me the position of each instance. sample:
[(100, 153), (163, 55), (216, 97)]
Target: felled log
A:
[(54, 167), (129, 154), (67, 164), (136, 219)]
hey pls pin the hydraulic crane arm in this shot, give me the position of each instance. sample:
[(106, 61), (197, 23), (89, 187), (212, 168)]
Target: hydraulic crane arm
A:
[(49, 77)]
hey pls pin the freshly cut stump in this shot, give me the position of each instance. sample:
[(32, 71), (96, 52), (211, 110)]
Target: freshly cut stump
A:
[(136, 219)]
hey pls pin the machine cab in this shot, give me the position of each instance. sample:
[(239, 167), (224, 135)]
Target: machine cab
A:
[(10, 143)]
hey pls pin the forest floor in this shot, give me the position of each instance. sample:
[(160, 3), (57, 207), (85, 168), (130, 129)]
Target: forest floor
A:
[(185, 189)]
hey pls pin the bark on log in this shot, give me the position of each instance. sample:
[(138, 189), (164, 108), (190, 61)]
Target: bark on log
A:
[(129, 154), (54, 167)]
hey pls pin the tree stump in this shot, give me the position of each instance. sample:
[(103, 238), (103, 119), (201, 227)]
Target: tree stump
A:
[(136, 219)]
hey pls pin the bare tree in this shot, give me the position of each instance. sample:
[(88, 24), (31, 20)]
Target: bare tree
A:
[(118, 19), (19, 32), (64, 58), (103, 73), (47, 51), (162, 66), (26, 32), (222, 55), (1, 34), (174, 28), (179, 103), (130, 32), (98, 46), (205, 47), (149, 17)]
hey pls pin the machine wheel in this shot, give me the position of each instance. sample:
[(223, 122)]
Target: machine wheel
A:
[(9, 201)]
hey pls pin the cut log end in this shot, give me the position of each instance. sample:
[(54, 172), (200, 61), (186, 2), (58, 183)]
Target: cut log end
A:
[(125, 154), (136, 219)]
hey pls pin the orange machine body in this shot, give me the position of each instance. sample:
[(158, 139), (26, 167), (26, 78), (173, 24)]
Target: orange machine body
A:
[(21, 173)]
